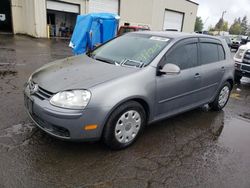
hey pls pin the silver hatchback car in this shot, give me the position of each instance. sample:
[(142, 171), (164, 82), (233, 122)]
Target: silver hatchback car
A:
[(112, 92)]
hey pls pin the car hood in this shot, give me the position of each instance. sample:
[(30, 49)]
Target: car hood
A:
[(78, 72)]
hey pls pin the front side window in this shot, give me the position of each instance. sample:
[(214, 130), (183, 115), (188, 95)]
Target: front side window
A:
[(142, 48), (185, 56)]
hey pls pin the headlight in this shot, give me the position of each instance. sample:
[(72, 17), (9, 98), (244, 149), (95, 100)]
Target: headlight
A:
[(75, 99)]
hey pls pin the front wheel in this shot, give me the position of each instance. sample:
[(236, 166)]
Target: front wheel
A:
[(124, 125), (222, 98)]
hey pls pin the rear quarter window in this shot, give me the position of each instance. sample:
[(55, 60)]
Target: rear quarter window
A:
[(221, 52)]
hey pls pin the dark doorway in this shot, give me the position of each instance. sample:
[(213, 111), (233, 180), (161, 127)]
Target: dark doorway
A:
[(61, 24), (5, 16), (51, 18)]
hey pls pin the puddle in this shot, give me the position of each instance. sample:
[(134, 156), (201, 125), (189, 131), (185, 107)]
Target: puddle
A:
[(235, 135), (16, 135), (4, 73), (7, 49), (245, 115)]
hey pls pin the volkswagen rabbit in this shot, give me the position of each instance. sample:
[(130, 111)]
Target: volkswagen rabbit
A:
[(114, 91)]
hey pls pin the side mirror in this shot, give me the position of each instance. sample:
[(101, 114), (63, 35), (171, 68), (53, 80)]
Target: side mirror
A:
[(170, 69)]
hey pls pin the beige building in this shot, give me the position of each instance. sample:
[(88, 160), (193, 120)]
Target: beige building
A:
[(160, 14), (56, 18)]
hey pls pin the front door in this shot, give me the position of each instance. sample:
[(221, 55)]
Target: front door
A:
[(176, 93)]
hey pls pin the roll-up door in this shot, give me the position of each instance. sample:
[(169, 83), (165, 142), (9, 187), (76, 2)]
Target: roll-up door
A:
[(63, 7), (108, 6), (173, 20)]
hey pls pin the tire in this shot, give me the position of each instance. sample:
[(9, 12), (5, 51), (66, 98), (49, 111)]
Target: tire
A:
[(237, 78), (120, 132), (219, 103)]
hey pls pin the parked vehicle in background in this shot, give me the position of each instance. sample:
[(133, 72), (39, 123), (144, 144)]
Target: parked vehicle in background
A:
[(242, 62), (132, 80), (202, 32), (236, 43), (228, 40), (127, 28), (245, 40)]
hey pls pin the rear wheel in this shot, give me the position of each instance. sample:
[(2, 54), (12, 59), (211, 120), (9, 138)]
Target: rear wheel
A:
[(222, 98), (124, 125)]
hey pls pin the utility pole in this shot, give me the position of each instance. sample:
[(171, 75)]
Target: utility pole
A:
[(223, 13), (222, 18)]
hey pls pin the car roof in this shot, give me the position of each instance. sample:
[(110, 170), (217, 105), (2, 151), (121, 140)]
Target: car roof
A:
[(175, 34)]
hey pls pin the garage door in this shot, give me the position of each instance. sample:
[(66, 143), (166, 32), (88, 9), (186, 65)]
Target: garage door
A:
[(63, 7), (173, 20), (109, 6)]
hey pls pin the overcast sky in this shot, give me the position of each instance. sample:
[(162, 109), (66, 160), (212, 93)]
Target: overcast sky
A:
[(211, 10)]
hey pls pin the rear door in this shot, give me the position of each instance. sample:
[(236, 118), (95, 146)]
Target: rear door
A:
[(213, 63), (176, 93)]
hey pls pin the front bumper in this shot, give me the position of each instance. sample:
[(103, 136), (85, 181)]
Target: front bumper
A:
[(235, 46), (62, 123)]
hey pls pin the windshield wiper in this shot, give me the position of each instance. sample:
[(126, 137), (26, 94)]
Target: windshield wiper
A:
[(105, 60)]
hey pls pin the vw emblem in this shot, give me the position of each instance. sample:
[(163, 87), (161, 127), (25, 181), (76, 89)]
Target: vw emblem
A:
[(33, 87)]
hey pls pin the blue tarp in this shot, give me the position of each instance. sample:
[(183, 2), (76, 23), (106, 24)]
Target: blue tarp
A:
[(92, 29)]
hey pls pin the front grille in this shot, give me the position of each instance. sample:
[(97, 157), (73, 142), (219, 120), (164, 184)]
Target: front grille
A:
[(246, 59), (38, 91), (43, 94), (245, 68)]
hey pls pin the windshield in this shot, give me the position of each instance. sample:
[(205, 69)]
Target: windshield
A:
[(131, 49)]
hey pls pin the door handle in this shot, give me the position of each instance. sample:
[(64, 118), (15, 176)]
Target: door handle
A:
[(197, 75)]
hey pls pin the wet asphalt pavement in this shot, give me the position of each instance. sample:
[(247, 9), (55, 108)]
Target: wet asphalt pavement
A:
[(200, 148)]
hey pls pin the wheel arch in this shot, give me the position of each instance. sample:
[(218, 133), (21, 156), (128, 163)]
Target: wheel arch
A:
[(231, 82), (140, 100)]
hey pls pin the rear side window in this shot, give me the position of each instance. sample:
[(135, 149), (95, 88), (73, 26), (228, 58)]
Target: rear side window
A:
[(211, 52), (184, 56)]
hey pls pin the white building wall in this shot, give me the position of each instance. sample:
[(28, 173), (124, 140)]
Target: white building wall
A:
[(137, 12), (23, 16), (30, 16), (40, 21), (151, 12), (189, 9)]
